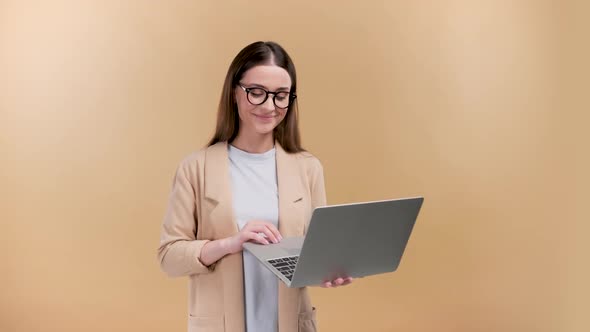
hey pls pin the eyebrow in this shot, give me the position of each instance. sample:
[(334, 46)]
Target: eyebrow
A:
[(263, 87)]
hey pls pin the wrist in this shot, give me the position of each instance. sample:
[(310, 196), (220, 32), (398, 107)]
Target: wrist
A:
[(226, 246)]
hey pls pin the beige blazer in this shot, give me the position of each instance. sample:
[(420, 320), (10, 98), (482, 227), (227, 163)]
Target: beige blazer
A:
[(200, 210)]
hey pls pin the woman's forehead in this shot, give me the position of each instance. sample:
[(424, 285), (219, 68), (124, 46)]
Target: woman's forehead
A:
[(269, 76)]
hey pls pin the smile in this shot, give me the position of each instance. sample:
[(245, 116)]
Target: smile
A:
[(264, 117)]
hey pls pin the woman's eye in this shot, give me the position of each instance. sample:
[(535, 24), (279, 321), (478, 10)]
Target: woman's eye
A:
[(282, 96), (257, 93)]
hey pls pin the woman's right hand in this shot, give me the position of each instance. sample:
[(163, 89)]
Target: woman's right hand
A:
[(255, 230)]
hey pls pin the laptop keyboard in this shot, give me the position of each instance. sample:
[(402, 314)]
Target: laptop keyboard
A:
[(285, 265)]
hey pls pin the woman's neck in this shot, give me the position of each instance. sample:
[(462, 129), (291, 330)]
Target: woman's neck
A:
[(254, 143)]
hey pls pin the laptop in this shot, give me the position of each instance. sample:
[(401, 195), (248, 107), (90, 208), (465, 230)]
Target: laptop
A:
[(347, 240)]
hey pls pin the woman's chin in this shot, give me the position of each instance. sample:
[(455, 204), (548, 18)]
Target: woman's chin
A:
[(265, 130)]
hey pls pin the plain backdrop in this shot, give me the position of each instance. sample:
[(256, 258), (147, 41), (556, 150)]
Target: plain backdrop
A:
[(479, 106)]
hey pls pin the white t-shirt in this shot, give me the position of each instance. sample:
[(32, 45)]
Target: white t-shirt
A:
[(256, 197)]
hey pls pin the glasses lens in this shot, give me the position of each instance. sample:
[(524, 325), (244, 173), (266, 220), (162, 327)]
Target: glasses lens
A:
[(256, 96), (282, 99)]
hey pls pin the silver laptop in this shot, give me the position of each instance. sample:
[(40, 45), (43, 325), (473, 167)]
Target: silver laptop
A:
[(355, 240)]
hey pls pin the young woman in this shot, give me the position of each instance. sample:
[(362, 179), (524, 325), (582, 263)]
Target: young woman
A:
[(253, 182)]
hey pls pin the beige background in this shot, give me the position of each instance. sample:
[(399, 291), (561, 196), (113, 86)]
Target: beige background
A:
[(480, 106)]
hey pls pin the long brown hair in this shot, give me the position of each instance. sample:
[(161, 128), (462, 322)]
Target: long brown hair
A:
[(228, 120)]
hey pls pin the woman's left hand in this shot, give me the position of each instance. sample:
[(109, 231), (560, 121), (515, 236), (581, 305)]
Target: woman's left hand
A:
[(337, 282)]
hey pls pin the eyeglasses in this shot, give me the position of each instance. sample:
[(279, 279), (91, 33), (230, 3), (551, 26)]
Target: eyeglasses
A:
[(257, 96)]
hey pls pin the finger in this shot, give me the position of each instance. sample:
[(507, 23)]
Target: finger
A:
[(275, 231), (268, 234), (327, 284), (269, 230), (338, 281), (262, 238), (347, 281), (272, 235), (262, 227), (256, 237)]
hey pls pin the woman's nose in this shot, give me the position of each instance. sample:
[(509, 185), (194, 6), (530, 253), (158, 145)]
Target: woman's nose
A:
[(268, 104)]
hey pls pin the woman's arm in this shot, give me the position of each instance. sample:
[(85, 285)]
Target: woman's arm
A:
[(180, 253), (255, 230), (179, 250), (215, 250)]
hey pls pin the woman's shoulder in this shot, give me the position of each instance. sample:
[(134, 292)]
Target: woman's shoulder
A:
[(196, 158), (306, 156), (309, 161), (210, 152), (193, 157)]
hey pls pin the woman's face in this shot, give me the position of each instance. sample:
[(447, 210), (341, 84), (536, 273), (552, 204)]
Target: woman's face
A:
[(262, 119)]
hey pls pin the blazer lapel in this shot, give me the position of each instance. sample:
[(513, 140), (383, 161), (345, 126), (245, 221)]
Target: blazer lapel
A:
[(218, 191), (291, 189)]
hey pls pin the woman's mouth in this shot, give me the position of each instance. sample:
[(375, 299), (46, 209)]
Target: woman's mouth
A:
[(264, 118)]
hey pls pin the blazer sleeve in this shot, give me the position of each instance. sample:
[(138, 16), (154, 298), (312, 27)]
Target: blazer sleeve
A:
[(179, 250), (317, 185)]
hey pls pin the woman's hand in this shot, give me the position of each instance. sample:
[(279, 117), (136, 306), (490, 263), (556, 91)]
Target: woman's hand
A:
[(337, 282), (257, 231)]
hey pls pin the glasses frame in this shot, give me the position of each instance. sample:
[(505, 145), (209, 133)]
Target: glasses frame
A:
[(292, 96)]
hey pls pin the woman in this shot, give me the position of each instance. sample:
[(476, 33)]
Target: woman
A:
[(254, 182)]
